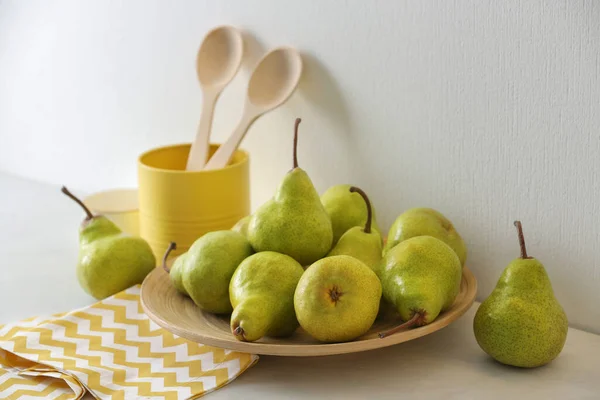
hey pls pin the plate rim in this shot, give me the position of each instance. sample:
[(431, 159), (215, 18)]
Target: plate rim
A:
[(317, 349)]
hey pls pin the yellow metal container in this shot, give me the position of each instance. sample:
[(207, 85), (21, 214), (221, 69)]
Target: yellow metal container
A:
[(179, 206)]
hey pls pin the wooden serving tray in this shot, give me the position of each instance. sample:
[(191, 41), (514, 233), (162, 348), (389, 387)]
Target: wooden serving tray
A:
[(178, 314)]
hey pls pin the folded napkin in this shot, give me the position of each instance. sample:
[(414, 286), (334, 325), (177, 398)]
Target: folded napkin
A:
[(113, 351)]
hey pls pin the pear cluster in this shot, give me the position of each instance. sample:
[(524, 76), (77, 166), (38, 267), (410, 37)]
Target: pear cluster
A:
[(319, 262)]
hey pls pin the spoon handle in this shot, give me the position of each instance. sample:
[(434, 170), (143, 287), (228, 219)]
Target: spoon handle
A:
[(226, 150), (199, 150)]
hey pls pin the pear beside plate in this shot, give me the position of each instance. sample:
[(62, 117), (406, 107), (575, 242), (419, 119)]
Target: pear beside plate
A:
[(179, 315)]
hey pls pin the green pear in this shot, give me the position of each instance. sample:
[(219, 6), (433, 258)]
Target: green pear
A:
[(337, 299), (521, 323), (362, 243), (176, 270), (262, 295), (242, 226), (421, 278), (294, 221), (346, 210), (425, 222), (209, 265), (110, 261)]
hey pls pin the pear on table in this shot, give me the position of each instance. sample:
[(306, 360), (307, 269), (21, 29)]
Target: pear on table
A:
[(426, 222), (337, 299), (293, 222), (110, 261), (421, 278), (362, 243), (522, 323), (209, 265), (262, 294), (346, 210)]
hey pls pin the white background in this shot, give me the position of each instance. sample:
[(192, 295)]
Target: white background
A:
[(485, 110)]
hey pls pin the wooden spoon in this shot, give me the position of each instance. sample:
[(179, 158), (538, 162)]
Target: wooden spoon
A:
[(218, 60), (271, 84)]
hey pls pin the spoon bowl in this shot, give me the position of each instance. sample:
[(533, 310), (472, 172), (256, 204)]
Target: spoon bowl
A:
[(219, 56), (272, 82)]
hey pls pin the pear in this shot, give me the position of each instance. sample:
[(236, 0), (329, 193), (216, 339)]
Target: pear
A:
[(337, 299), (521, 323), (176, 270), (362, 243), (209, 264), (426, 222), (293, 222), (110, 261), (421, 278), (262, 295), (242, 226), (346, 210)]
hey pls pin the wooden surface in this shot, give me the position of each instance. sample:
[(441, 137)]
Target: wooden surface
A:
[(177, 313)]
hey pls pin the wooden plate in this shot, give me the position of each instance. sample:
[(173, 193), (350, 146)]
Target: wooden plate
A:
[(178, 314)]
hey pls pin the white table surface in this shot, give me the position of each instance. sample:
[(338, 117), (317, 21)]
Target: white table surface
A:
[(39, 251)]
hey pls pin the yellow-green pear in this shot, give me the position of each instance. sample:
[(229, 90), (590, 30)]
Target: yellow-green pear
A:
[(110, 261), (421, 278), (522, 323), (426, 222), (176, 270), (209, 265), (361, 242), (242, 225), (346, 210), (337, 299), (293, 222), (262, 294)]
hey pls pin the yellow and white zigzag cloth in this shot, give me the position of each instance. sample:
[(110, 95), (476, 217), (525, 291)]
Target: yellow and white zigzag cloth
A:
[(113, 351)]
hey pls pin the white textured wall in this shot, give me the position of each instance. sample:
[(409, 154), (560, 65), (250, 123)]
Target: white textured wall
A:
[(486, 110)]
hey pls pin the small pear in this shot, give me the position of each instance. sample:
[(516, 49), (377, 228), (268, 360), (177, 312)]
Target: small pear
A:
[(242, 226), (337, 299), (110, 261), (522, 324), (177, 269), (362, 243), (346, 210), (426, 222), (421, 278), (262, 294), (209, 264), (294, 221)]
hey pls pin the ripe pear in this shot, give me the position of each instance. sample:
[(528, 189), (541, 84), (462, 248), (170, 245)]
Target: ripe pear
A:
[(426, 222), (209, 265), (110, 261), (242, 226), (346, 210), (176, 270), (293, 222), (421, 278), (262, 295), (337, 299), (522, 324), (362, 243)]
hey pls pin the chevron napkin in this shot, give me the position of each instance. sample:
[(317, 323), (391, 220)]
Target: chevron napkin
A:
[(113, 351)]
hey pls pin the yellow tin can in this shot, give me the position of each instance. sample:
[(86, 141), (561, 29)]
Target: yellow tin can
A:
[(179, 206)]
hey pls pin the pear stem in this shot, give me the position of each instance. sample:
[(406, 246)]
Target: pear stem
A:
[(172, 246), (408, 324), (369, 210), (521, 240), (296, 142), (88, 213)]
